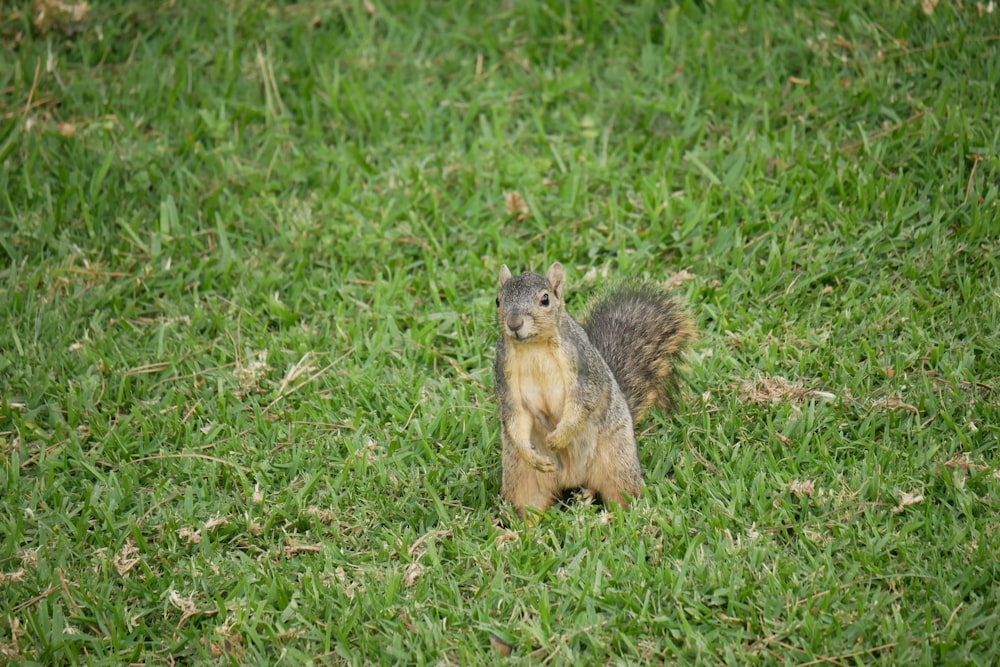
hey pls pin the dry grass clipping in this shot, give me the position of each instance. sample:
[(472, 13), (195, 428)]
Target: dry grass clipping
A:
[(65, 16), (802, 488), (11, 577), (515, 205), (127, 558), (768, 390), (907, 499)]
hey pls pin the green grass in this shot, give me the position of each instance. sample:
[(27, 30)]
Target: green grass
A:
[(249, 256)]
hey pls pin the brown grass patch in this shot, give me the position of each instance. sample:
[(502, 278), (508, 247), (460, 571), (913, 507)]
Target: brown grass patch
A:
[(768, 390)]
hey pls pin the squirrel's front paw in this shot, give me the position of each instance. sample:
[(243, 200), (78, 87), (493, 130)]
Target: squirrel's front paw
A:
[(539, 462), (557, 440)]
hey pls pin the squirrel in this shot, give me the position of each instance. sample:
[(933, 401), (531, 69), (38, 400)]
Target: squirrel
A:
[(569, 395)]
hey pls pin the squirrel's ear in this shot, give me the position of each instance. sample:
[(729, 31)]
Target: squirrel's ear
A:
[(556, 278), (505, 274)]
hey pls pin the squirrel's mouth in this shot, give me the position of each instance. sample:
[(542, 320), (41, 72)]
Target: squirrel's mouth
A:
[(519, 336)]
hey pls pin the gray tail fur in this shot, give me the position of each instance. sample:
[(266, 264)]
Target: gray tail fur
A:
[(641, 333)]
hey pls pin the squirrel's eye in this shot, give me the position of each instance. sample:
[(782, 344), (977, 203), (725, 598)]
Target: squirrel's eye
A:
[(545, 299), (498, 302)]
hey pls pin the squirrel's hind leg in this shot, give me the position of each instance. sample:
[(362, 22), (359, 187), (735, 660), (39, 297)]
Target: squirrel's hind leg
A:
[(526, 487), (616, 474)]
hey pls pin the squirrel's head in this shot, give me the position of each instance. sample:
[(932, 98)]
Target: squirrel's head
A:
[(530, 305)]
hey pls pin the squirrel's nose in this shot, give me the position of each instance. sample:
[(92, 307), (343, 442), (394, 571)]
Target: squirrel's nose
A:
[(514, 323)]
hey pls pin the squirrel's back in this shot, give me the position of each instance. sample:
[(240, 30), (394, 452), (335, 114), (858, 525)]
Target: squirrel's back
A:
[(641, 331)]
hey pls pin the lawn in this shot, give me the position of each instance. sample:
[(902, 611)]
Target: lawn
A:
[(248, 262)]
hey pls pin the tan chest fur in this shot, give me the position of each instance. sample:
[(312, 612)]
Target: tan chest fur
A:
[(539, 376)]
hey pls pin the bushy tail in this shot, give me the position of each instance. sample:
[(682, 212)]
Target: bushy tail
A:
[(641, 333)]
